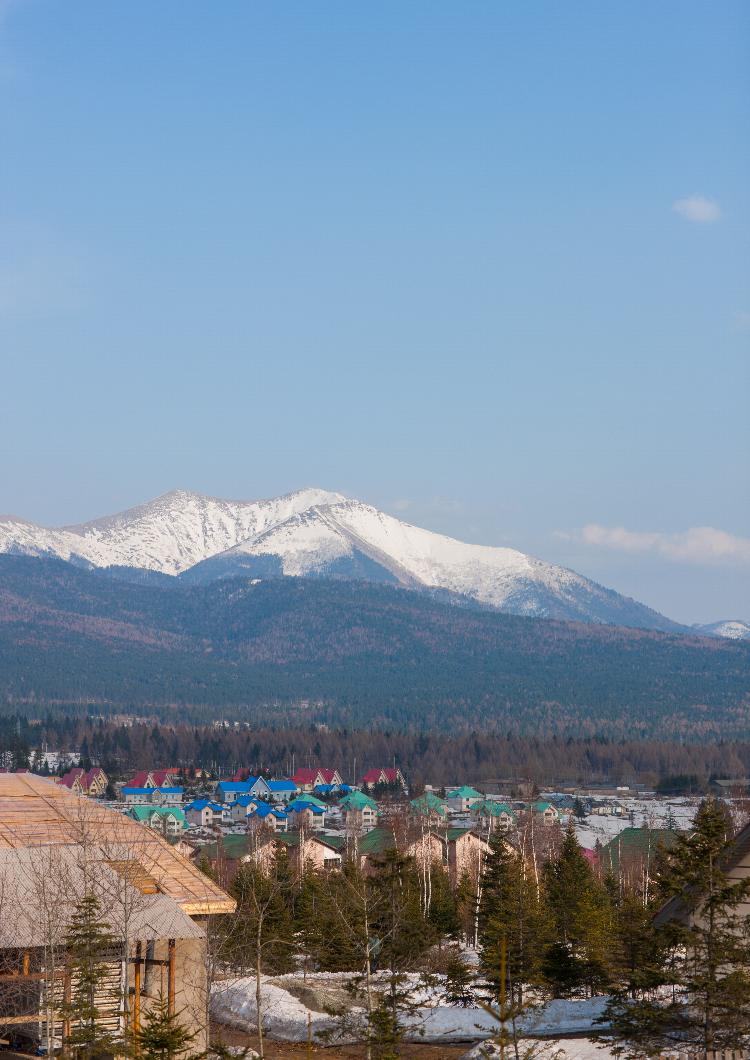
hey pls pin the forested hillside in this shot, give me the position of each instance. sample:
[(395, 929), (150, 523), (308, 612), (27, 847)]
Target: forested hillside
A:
[(345, 653)]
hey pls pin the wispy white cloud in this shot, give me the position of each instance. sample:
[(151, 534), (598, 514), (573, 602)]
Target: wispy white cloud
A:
[(699, 544), (697, 208)]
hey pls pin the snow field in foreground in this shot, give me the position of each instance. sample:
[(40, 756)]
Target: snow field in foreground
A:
[(285, 1017)]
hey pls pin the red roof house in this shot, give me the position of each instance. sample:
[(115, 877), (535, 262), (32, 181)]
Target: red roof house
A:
[(152, 778), (307, 779), (383, 776), (85, 782)]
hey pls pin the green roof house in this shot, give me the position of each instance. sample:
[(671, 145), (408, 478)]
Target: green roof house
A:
[(429, 805), (633, 850), (462, 799), (360, 812), (493, 814), (170, 820), (548, 812)]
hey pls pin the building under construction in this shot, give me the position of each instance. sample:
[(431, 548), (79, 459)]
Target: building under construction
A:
[(56, 848)]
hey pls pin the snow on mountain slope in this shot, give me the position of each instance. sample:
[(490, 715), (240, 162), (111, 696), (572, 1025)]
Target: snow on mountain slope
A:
[(733, 628), (316, 533), (352, 539), (168, 534)]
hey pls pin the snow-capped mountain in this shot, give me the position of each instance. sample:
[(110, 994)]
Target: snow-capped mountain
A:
[(316, 533), (169, 534), (352, 539), (733, 628)]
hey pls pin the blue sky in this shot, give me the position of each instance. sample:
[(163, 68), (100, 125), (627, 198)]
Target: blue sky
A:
[(484, 265)]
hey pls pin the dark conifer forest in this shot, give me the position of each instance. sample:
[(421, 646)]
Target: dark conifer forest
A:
[(296, 652)]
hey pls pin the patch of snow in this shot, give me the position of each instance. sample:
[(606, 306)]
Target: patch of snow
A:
[(285, 1017)]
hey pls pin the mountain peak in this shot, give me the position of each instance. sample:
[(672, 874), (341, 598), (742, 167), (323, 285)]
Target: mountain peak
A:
[(314, 532)]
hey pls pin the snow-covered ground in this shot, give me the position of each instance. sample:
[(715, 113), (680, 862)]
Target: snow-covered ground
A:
[(553, 1049), (646, 813), (287, 1018)]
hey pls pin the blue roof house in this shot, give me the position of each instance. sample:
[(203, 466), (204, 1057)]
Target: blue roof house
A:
[(282, 790)]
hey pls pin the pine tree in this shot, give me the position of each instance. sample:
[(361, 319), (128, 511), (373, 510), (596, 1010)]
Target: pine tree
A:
[(161, 1036), (700, 950), (583, 921), (87, 940)]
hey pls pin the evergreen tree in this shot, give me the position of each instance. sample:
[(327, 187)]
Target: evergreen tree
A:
[(88, 939), (510, 915), (442, 913), (458, 980), (699, 949), (402, 936), (161, 1035), (583, 922)]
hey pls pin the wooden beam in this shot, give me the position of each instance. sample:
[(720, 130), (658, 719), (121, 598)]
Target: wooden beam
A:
[(170, 977), (137, 994)]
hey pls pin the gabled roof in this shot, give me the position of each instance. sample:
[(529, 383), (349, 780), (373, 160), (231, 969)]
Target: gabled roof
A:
[(305, 796), (452, 834), (159, 776), (244, 800), (282, 785), (234, 785), (389, 775), (200, 804), (168, 791), (540, 807), (145, 813), (292, 839), (138, 791), (310, 776), (302, 804), (377, 841), (429, 803), (635, 843), (491, 808), (464, 792), (264, 810), (358, 801)]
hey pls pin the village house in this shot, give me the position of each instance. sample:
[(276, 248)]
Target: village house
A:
[(229, 790), (240, 808), (306, 813), (166, 796), (431, 806), (359, 812), (306, 779), (390, 777), (465, 853), (282, 790), (153, 778), (202, 813), (546, 811), (306, 852), (313, 852), (153, 899), (169, 820), (461, 800), (492, 815), (92, 782), (629, 855), (271, 817)]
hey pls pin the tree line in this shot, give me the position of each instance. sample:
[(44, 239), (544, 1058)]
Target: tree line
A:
[(477, 758)]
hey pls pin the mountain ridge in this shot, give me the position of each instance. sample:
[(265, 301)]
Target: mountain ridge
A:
[(320, 533), (334, 652)]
